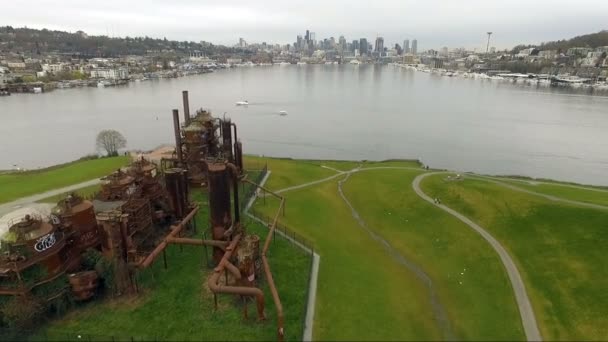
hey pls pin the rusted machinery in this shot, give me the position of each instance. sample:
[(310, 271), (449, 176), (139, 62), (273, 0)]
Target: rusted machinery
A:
[(32, 255), (202, 139), (76, 217)]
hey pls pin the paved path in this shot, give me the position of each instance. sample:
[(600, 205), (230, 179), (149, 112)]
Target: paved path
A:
[(314, 276), (549, 197), (521, 296), (438, 310), (535, 182), (10, 206), (340, 173)]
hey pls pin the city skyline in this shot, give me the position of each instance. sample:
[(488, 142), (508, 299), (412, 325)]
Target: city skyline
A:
[(435, 23)]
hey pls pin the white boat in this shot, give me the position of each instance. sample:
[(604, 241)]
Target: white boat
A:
[(284, 63), (354, 61), (282, 112), (37, 90), (242, 103), (301, 63)]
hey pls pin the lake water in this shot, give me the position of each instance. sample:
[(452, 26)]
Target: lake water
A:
[(334, 112)]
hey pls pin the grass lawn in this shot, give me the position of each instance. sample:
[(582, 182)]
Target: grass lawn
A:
[(362, 293), (287, 172), (179, 305), (566, 191), (467, 274), (559, 249), (85, 192), (20, 184)]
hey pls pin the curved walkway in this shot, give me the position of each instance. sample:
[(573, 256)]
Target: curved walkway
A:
[(521, 296), (16, 204), (438, 310), (549, 197)]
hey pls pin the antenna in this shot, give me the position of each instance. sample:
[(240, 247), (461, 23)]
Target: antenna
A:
[(488, 45)]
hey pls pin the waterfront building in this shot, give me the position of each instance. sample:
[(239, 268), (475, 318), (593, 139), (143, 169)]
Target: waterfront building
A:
[(110, 73), (414, 47), (406, 46)]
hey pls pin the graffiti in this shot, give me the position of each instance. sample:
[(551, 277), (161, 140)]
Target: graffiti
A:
[(45, 242)]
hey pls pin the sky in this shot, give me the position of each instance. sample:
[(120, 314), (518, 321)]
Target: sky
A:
[(434, 23)]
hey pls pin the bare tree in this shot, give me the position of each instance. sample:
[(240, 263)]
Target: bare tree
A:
[(110, 141)]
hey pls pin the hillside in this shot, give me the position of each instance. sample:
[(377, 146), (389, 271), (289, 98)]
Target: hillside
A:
[(40, 42), (592, 40)]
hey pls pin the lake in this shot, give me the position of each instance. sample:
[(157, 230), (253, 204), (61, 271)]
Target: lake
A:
[(369, 112)]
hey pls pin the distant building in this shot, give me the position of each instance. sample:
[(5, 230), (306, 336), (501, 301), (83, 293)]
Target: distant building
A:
[(548, 54), (110, 73), (355, 46), (379, 47), (578, 51), (54, 68), (232, 61), (242, 43), (16, 65), (414, 47), (437, 63), (444, 51), (408, 58), (363, 46), (406, 46)]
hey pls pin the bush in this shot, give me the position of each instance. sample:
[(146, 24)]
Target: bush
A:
[(22, 313)]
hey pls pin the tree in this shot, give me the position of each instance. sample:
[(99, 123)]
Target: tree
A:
[(110, 141)]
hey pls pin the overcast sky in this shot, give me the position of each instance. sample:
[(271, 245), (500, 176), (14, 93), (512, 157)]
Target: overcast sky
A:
[(435, 23)]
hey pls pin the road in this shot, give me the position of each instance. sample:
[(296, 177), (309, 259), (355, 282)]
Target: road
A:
[(11, 206), (521, 296)]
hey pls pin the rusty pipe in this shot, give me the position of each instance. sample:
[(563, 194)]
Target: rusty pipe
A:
[(235, 190), (186, 107), (197, 242), (235, 136), (239, 290), (161, 246), (233, 269), (178, 137)]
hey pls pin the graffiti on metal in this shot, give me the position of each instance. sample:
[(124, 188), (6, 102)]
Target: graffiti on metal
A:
[(45, 242)]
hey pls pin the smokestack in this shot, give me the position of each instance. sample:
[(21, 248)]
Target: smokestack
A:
[(186, 107), (178, 137)]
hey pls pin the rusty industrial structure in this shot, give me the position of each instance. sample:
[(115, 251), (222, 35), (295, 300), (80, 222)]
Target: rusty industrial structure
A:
[(138, 212)]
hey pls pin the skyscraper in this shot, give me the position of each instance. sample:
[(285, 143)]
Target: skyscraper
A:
[(355, 45), (363, 46), (307, 36), (414, 46), (342, 41), (379, 45), (406, 46)]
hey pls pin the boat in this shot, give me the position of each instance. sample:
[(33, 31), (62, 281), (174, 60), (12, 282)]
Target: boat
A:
[(282, 112), (354, 61), (301, 63), (242, 103), (37, 90)]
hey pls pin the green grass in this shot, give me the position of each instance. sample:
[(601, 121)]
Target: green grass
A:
[(286, 172), (362, 294), (20, 184), (479, 300), (179, 305), (566, 191), (85, 192), (559, 249)]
